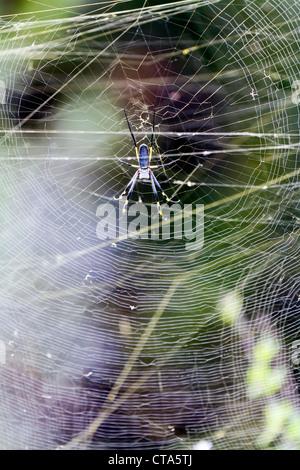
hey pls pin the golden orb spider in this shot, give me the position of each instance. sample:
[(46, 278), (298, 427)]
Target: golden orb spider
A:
[(144, 172)]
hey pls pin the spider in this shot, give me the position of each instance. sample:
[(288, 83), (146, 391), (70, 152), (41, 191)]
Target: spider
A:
[(144, 172)]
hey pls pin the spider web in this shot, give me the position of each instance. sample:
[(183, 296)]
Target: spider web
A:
[(148, 343)]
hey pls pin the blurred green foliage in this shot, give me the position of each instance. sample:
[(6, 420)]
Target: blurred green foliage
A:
[(194, 320)]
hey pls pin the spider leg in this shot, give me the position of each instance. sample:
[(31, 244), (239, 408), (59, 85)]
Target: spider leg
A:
[(160, 188), (155, 192), (128, 186), (125, 163), (130, 190), (165, 164), (129, 127), (152, 137), (153, 126)]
